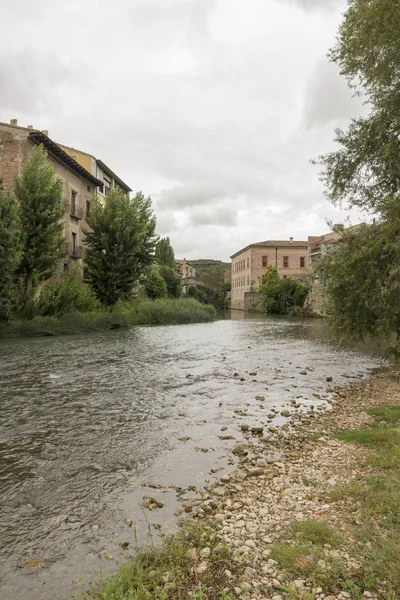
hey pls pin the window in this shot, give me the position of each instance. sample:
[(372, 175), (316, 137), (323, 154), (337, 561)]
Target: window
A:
[(66, 267), (87, 208), (248, 279), (101, 189), (284, 276), (73, 202), (107, 185), (247, 262), (264, 261), (302, 261), (285, 262), (73, 247), (89, 189)]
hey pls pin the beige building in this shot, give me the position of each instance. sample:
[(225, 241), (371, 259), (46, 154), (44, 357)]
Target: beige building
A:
[(109, 180), (250, 264), (187, 274), (80, 186)]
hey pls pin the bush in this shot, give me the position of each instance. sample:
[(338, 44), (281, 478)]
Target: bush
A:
[(66, 293), (125, 314), (155, 286), (280, 296)]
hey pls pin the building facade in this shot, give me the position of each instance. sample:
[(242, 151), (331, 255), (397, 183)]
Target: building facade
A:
[(80, 186), (250, 264), (99, 170), (188, 275)]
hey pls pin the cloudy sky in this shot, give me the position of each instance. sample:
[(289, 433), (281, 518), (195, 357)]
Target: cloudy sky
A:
[(212, 107)]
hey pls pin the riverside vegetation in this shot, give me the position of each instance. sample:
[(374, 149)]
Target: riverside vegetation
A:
[(302, 517), (123, 254)]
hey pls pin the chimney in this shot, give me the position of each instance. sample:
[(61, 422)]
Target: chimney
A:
[(14, 122), (45, 132)]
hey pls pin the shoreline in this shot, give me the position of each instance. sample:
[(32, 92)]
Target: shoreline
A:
[(284, 481)]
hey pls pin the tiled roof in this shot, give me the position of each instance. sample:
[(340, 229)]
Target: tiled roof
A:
[(275, 244)]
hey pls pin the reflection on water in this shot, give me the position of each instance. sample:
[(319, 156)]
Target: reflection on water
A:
[(85, 420)]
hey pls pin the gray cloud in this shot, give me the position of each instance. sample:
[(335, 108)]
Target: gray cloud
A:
[(213, 107), (328, 98), (220, 216)]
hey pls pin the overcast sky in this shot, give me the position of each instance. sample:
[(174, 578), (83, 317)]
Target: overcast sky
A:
[(212, 107)]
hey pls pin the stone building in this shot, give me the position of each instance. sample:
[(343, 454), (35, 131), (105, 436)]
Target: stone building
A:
[(249, 265), (188, 275), (99, 170), (80, 186)]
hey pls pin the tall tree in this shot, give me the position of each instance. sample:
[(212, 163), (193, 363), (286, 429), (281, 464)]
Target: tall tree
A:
[(172, 280), (39, 194), (10, 254), (120, 245), (165, 255), (362, 277)]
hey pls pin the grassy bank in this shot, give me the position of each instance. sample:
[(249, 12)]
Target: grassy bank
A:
[(192, 564), (124, 315), (361, 557)]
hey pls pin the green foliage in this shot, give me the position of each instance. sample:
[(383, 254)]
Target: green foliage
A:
[(125, 314), (172, 280), (386, 412), (363, 287), (120, 245), (164, 254), (39, 194), (10, 254), (206, 295), (66, 293), (280, 296), (145, 575), (155, 286), (315, 532), (361, 280)]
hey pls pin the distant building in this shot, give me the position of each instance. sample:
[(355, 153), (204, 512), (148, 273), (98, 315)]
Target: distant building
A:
[(100, 170), (187, 274), (250, 264), (80, 185), (228, 275)]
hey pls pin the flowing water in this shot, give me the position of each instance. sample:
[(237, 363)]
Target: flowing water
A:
[(85, 421)]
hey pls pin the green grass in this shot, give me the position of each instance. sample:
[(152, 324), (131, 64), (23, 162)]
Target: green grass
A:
[(316, 532), (164, 573), (124, 315), (386, 412), (373, 526)]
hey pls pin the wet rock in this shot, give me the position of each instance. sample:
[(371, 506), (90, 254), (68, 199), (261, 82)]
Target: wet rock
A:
[(239, 450), (257, 430), (224, 428), (35, 564), (244, 427), (329, 379), (124, 544), (226, 437), (184, 439), (260, 398), (285, 413), (303, 373), (252, 374), (255, 471)]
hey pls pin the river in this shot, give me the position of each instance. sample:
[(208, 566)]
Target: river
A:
[(86, 420)]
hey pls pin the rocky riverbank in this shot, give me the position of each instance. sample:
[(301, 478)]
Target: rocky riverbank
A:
[(295, 520)]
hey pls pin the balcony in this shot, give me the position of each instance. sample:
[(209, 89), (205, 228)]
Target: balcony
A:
[(75, 211), (73, 251)]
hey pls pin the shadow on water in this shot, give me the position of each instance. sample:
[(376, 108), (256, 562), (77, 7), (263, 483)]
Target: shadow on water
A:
[(85, 421)]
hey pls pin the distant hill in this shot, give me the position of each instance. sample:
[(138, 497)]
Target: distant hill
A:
[(210, 271)]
